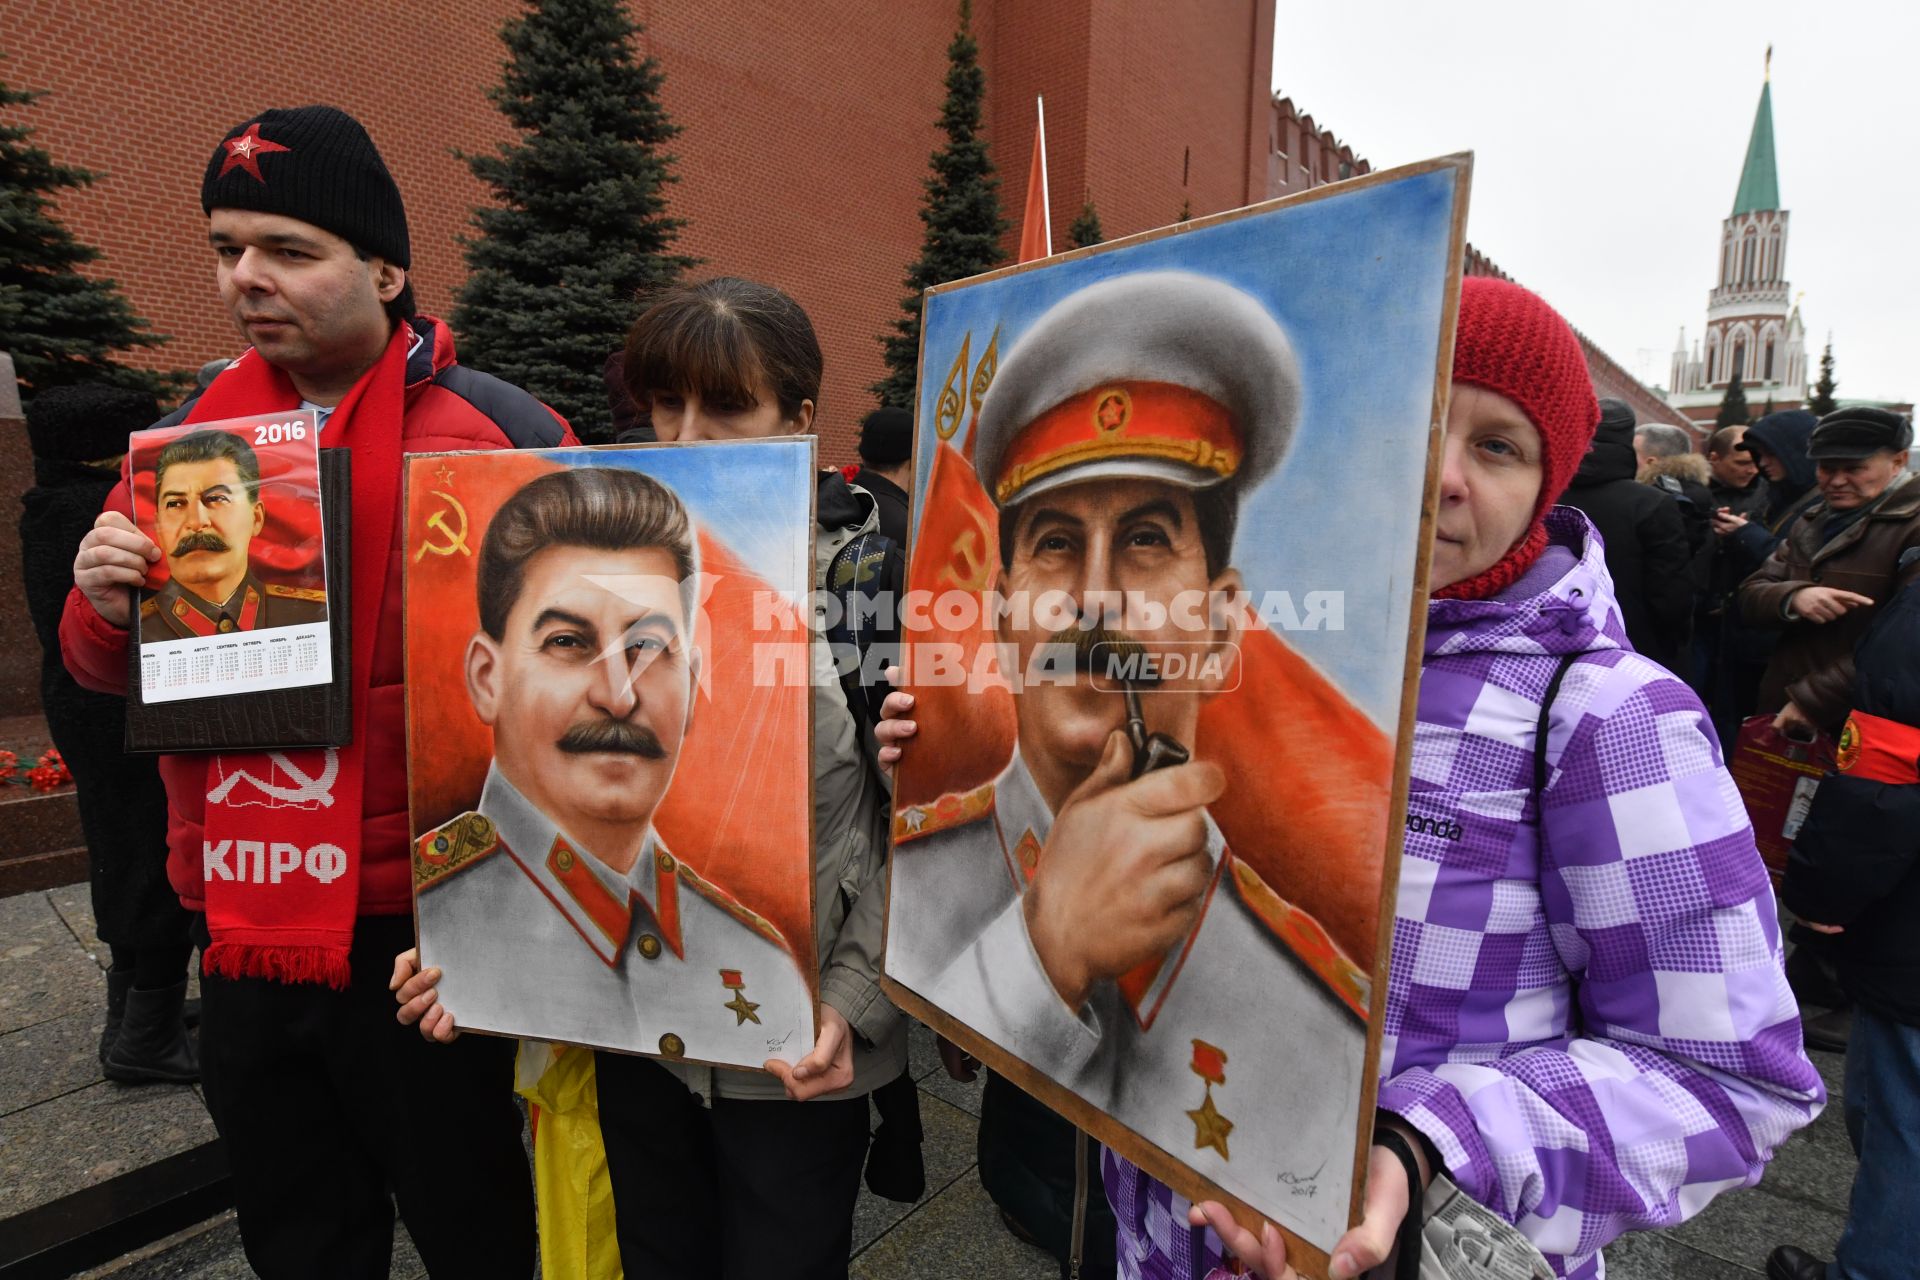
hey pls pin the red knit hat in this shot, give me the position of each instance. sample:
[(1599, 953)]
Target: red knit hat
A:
[(1510, 342)]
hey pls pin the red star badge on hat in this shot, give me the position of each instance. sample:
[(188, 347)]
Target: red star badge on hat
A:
[(244, 152)]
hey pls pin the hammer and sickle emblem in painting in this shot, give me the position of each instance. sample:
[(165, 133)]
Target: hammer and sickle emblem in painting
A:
[(969, 566), (455, 536)]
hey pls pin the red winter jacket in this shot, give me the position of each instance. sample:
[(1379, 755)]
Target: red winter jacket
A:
[(447, 407)]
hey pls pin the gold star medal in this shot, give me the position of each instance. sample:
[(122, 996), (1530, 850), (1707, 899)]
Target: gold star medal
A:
[(1210, 1128), (743, 1008)]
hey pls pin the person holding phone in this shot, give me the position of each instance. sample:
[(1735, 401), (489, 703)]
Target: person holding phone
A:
[(1843, 556)]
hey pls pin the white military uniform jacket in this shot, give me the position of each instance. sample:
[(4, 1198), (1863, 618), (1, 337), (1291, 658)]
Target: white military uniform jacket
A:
[(539, 940), (1230, 1054)]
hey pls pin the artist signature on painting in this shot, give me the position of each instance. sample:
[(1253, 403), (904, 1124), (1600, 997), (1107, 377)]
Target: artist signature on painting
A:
[(776, 1043), (1303, 1186)]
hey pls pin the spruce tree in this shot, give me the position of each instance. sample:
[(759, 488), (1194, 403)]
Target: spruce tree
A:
[(1823, 402), (1733, 406), (60, 326), (1086, 228), (580, 233), (961, 213)]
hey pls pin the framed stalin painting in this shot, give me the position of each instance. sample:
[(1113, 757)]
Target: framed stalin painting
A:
[(608, 744), (1163, 624)]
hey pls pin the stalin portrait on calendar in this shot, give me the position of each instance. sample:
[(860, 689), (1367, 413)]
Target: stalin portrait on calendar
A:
[(207, 512)]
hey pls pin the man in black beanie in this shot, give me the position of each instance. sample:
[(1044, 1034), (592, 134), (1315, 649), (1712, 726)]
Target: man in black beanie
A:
[(1646, 541), (330, 1109), (886, 465), (78, 435)]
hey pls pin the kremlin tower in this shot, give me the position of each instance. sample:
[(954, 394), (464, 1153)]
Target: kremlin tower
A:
[(1753, 330)]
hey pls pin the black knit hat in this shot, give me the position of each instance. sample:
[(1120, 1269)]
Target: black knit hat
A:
[(87, 423), (886, 437), (316, 164), (1615, 414)]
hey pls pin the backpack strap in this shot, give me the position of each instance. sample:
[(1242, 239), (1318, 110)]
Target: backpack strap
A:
[(1546, 715), (866, 575)]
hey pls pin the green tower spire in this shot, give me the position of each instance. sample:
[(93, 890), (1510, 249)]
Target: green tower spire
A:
[(1759, 179)]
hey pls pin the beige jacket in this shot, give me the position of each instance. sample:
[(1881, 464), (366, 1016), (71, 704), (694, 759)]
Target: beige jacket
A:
[(850, 831)]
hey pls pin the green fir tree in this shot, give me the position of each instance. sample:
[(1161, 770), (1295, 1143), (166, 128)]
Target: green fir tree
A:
[(1823, 402), (1733, 406), (580, 233), (1086, 228), (60, 326), (961, 213)]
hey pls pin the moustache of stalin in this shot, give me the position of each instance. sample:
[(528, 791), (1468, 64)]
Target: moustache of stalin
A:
[(200, 540), (1103, 651), (615, 736)]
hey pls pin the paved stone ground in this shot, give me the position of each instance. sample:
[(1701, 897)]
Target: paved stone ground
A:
[(62, 1128)]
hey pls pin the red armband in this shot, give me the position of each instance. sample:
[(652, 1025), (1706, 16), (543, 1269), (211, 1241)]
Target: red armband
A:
[(1879, 750)]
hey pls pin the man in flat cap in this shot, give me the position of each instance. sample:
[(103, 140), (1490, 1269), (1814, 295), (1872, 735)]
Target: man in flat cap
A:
[(207, 512), (1083, 909), (1848, 552)]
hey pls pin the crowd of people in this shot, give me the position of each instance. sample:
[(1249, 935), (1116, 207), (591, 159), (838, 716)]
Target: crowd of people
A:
[(1601, 1035)]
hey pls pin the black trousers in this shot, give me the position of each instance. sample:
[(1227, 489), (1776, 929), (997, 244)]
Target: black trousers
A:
[(123, 814), (738, 1191), (332, 1111)]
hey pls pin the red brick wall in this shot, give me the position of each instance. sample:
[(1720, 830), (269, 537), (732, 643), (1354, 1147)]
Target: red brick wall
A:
[(1171, 79), (141, 92), (806, 130), (1610, 381), (1302, 154)]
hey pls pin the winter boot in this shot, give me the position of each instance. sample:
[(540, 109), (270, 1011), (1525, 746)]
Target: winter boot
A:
[(118, 984), (153, 1046)]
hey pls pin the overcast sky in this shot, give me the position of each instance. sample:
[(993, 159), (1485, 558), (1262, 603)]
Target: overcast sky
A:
[(1608, 141)]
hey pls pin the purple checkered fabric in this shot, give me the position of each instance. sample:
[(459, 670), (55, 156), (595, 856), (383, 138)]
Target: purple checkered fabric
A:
[(1586, 1012)]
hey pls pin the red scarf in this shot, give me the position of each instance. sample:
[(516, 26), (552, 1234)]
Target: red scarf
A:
[(283, 880)]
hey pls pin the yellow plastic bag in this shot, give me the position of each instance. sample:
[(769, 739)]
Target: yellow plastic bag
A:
[(571, 1184)]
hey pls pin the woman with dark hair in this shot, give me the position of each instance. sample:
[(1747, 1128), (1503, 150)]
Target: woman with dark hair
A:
[(742, 1174), (1587, 1028), (725, 359)]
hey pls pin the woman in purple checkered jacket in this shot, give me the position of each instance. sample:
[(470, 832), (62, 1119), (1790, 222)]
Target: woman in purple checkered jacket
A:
[(1587, 1026)]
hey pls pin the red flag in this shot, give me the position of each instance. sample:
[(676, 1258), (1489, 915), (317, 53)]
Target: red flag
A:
[(736, 733), (957, 550), (1036, 233), (1316, 842)]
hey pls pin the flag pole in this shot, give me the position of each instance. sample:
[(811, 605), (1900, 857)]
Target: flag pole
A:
[(1036, 226), (1046, 205)]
